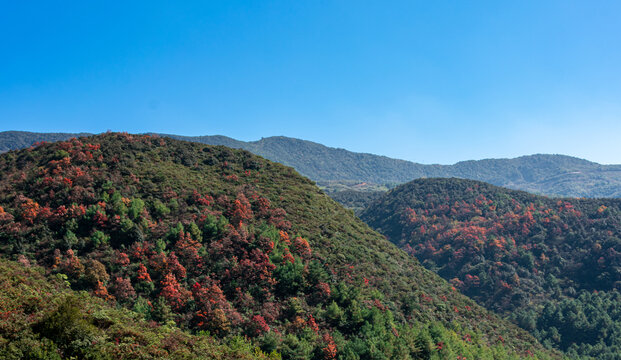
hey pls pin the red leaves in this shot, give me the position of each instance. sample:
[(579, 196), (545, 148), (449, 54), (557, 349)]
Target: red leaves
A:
[(159, 263), (426, 298), (312, 324), (57, 166), (410, 215), (270, 311), (472, 280), (7, 224), (61, 211), (216, 321), (72, 265), (102, 292), (77, 211), (329, 350), (302, 248), (99, 218), (287, 257), (258, 326), (188, 248), (457, 283), (29, 209), (233, 246), (123, 290), (139, 250), (92, 147), (39, 143), (257, 268), (323, 290), (200, 199), (173, 292), (241, 210), (284, 238), (121, 259), (277, 218), (143, 274), (263, 205), (208, 296), (379, 305), (175, 267)]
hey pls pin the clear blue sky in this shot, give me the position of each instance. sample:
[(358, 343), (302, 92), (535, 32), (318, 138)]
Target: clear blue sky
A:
[(428, 81)]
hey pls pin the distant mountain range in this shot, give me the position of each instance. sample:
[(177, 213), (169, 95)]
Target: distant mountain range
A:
[(338, 169)]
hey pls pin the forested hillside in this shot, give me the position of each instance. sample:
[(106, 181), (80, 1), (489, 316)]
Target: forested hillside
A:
[(338, 169), (552, 265), (224, 244), (41, 318)]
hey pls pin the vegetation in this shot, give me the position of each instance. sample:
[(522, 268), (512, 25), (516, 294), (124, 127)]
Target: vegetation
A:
[(41, 318), (224, 244), (353, 195), (14, 140), (339, 169), (552, 265)]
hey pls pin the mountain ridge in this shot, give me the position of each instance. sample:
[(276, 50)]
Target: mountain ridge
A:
[(546, 174)]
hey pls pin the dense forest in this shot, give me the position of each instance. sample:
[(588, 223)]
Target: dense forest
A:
[(223, 248), (551, 265), (339, 169)]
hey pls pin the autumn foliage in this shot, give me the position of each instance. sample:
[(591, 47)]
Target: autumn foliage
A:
[(511, 251), (198, 237)]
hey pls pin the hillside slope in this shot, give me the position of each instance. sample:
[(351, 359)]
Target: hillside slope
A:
[(553, 265), (220, 240), (41, 318), (335, 169)]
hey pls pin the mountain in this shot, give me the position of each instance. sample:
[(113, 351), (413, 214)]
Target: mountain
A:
[(552, 265), (227, 245), (556, 175), (338, 169), (13, 140)]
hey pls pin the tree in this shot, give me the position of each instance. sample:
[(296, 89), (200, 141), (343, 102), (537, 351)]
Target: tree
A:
[(173, 292), (123, 290), (95, 273)]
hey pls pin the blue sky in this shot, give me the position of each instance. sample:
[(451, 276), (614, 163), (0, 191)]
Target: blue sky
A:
[(428, 81)]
